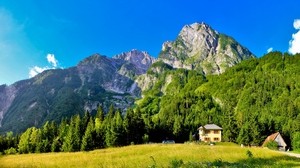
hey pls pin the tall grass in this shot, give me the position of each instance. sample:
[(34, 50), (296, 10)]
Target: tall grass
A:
[(157, 155)]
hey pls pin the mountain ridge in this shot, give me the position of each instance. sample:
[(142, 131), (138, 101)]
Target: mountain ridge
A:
[(99, 80)]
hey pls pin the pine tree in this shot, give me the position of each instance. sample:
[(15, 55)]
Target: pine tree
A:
[(118, 129), (99, 133), (24, 145), (84, 122), (35, 140), (49, 132), (244, 135), (134, 126), (87, 140), (72, 140), (56, 145), (100, 113)]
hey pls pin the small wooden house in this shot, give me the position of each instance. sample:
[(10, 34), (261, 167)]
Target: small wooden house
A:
[(210, 133), (276, 137)]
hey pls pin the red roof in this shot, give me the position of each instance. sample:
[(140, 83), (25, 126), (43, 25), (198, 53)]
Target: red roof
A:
[(270, 138)]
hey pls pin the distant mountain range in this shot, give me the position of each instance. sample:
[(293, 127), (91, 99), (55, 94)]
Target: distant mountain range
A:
[(119, 81)]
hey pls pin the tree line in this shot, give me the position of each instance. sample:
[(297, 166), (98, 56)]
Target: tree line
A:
[(79, 133)]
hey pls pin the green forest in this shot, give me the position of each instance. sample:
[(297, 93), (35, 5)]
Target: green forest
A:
[(249, 101)]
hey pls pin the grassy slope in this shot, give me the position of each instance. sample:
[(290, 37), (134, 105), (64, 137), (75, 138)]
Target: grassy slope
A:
[(140, 156)]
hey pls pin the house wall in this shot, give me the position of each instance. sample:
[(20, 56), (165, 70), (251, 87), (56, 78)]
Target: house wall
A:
[(280, 142), (210, 135)]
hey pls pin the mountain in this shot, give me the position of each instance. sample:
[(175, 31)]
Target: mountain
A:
[(197, 47), (119, 81), (54, 94), (200, 47)]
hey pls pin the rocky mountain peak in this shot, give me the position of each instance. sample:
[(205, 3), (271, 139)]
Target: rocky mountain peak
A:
[(140, 59), (198, 27), (136, 62), (198, 46), (93, 59)]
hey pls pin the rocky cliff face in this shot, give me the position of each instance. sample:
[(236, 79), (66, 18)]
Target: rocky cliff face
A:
[(200, 47), (136, 62), (53, 94), (7, 95)]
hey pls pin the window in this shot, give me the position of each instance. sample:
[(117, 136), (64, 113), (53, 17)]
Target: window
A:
[(216, 131), (207, 131), (216, 139), (207, 139)]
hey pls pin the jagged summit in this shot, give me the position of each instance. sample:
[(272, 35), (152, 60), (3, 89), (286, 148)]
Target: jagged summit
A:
[(92, 59), (198, 46), (140, 60), (198, 26)]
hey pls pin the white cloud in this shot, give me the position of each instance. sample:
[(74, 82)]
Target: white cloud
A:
[(297, 24), (51, 59), (36, 69), (270, 49), (294, 44)]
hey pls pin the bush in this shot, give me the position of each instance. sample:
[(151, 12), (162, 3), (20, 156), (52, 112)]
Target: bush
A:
[(272, 145), (146, 138), (176, 163), (249, 154), (10, 151)]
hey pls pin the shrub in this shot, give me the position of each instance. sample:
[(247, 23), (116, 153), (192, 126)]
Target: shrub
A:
[(146, 138), (176, 163), (10, 151), (249, 154), (272, 145)]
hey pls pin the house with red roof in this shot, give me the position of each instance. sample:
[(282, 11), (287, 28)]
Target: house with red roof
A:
[(276, 137)]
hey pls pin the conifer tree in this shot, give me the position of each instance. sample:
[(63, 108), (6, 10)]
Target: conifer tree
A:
[(72, 140), (134, 126), (87, 140), (100, 113), (99, 133), (24, 145), (84, 122)]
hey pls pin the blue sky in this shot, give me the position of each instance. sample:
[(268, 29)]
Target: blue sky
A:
[(37, 35)]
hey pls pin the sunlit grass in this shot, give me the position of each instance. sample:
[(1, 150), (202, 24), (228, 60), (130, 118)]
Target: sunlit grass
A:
[(153, 154)]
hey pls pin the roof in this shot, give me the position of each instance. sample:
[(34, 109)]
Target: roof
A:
[(271, 138), (211, 127)]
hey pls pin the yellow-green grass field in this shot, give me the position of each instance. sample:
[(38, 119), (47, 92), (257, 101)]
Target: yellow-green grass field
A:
[(156, 155)]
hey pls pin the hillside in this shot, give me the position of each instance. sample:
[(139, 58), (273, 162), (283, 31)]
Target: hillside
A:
[(250, 100), (157, 155)]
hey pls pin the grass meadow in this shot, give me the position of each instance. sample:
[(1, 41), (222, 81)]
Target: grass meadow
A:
[(157, 155)]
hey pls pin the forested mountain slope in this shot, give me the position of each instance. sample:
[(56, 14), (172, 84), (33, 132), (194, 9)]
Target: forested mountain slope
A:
[(250, 100)]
